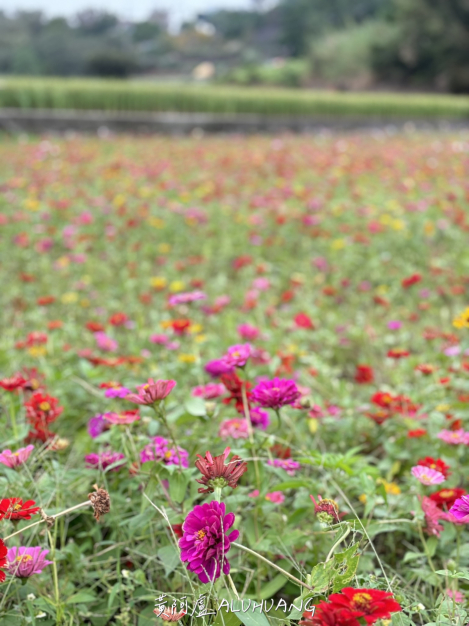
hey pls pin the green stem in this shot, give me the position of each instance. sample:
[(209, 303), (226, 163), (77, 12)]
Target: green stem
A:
[(73, 508), (338, 542), (262, 558)]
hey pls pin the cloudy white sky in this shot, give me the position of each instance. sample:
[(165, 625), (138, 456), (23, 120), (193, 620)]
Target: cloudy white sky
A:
[(134, 9)]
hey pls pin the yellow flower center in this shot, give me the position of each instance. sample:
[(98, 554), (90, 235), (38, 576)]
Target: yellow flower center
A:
[(23, 558), (44, 406), (201, 534), (361, 601), (447, 493), (16, 507)]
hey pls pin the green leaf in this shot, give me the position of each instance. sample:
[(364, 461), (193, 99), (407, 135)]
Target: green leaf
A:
[(249, 617), (226, 618), (177, 486), (349, 558), (195, 406), (169, 556), (291, 484), (272, 587), (82, 597)]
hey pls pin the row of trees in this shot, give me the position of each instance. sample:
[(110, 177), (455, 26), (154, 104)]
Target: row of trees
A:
[(410, 43)]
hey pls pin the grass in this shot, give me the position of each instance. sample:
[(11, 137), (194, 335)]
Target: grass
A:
[(113, 95)]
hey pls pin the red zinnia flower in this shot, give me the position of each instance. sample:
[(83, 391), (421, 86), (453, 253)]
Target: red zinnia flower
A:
[(364, 374), (436, 464), (397, 353), (425, 368), (368, 604), (94, 327), (418, 432), (328, 615), (15, 508), (3, 560), (45, 300), (235, 385), (447, 497), (411, 280), (42, 409), (118, 319), (304, 321), (13, 382)]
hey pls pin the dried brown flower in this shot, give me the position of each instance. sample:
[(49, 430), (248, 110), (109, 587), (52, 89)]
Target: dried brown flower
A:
[(215, 474), (101, 502)]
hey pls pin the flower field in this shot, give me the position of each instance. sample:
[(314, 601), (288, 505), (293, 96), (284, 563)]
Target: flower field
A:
[(234, 373)]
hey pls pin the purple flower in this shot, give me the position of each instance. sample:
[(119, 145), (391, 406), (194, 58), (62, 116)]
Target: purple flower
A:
[(275, 393), (24, 562), (159, 450), (14, 459), (460, 509), (117, 392), (289, 465), (96, 426), (238, 355), (205, 541), (394, 325), (102, 460), (259, 418), (427, 475), (218, 367)]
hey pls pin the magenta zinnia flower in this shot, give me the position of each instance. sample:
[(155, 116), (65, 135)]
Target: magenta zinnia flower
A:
[(460, 509), (289, 465), (427, 475), (24, 562), (205, 541), (159, 450), (274, 394), (454, 437), (104, 460), (152, 392), (14, 459)]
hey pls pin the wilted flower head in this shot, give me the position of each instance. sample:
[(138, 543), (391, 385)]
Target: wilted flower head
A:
[(14, 459), (215, 474), (154, 391), (427, 475), (326, 510), (275, 393), (24, 562), (205, 541)]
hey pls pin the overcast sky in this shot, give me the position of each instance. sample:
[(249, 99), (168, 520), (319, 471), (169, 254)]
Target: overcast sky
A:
[(135, 9)]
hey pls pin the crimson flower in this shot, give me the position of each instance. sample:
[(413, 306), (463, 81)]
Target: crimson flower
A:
[(13, 382), (328, 615), (327, 510), (411, 280), (15, 509), (3, 560), (364, 374), (367, 604), (42, 409), (436, 464), (445, 498), (215, 474), (235, 385)]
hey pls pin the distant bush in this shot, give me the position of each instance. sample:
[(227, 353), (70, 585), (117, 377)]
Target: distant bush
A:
[(110, 64), (287, 73)]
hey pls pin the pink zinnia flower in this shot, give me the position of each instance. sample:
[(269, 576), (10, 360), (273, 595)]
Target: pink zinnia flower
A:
[(160, 450), (159, 339), (14, 459), (102, 460), (210, 391), (289, 465), (254, 494), (105, 343), (154, 391), (186, 298), (24, 562), (248, 332), (275, 393), (433, 515), (205, 540), (127, 417), (427, 475), (454, 437), (117, 392), (394, 325), (238, 355), (460, 509), (276, 497), (457, 596), (236, 428)]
